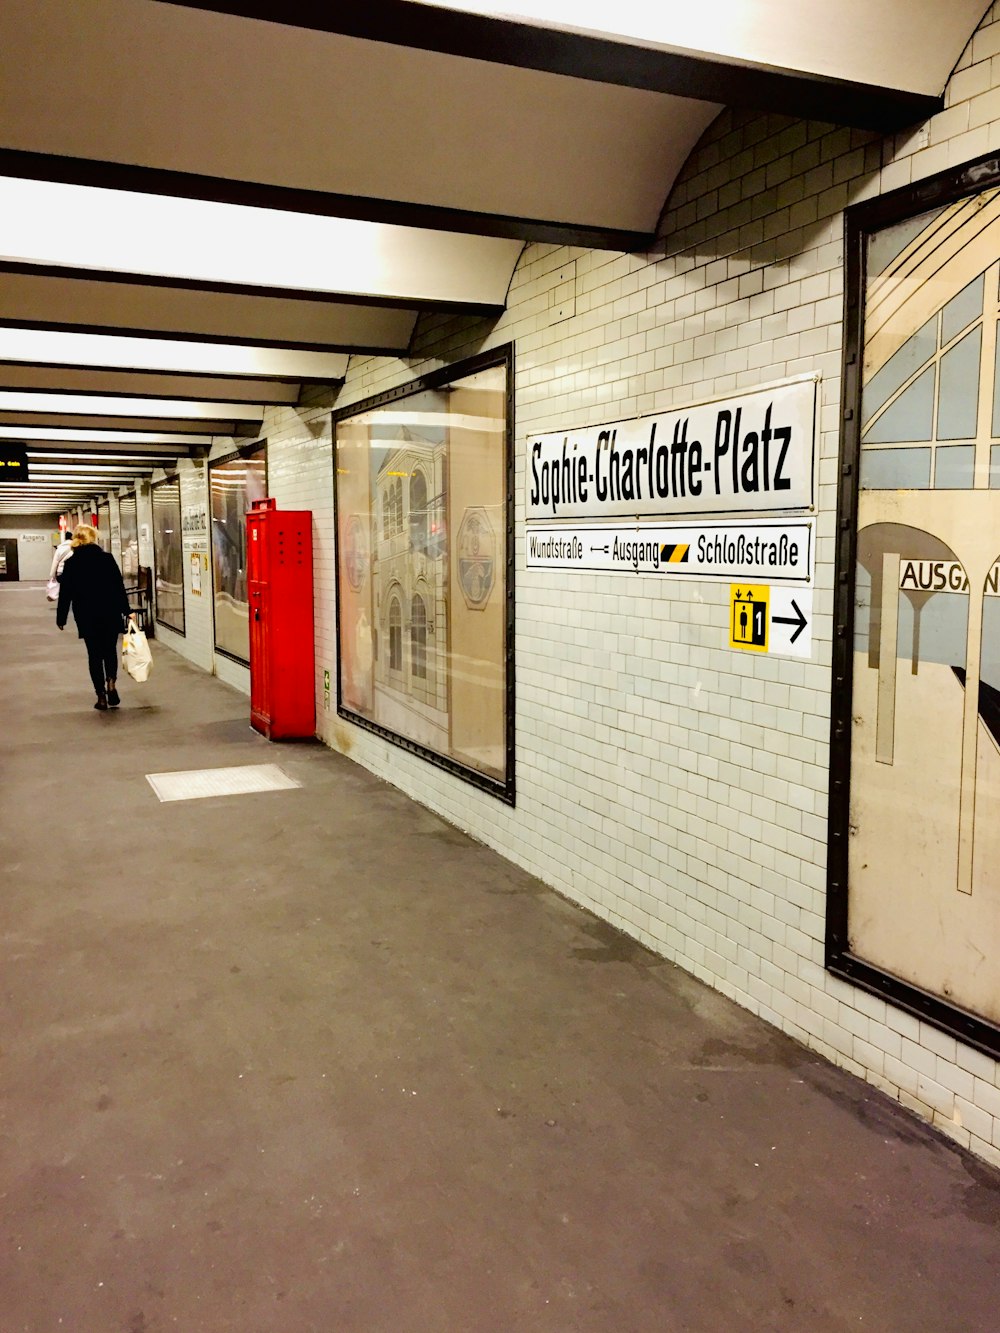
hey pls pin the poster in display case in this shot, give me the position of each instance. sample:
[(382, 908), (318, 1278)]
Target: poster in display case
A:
[(129, 537), (169, 554), (425, 597), (104, 526), (234, 482), (915, 766)]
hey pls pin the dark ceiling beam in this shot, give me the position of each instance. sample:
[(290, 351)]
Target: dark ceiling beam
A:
[(601, 60), (101, 382), (185, 309), (94, 457), (157, 453), (171, 425), (98, 485), (91, 481), (58, 495), (172, 375), (65, 272), (400, 213), (71, 461), (39, 470)]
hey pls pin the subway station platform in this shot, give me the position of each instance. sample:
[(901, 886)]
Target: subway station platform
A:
[(310, 1059)]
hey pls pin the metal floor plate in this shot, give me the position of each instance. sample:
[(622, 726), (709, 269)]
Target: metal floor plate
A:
[(199, 782)]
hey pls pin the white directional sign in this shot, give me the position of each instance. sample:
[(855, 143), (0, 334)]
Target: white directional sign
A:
[(762, 550), (791, 622), (753, 453)]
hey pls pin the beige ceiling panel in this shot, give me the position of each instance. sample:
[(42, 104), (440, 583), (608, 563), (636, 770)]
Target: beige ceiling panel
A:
[(90, 303), (83, 422), (67, 379), (335, 114)]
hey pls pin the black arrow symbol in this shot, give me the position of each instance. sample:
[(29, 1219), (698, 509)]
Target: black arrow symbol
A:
[(801, 622), (605, 549)]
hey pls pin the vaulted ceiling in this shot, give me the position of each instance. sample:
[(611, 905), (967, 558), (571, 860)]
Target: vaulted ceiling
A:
[(204, 207)]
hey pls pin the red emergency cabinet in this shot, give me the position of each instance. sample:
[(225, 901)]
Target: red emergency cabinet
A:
[(282, 657)]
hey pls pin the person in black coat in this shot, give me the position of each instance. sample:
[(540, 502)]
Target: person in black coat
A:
[(92, 585)]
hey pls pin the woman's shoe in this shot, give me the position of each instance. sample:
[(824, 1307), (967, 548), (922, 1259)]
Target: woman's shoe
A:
[(102, 704), (113, 699)]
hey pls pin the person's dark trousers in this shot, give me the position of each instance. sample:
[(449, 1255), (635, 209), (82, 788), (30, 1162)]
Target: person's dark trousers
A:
[(102, 659)]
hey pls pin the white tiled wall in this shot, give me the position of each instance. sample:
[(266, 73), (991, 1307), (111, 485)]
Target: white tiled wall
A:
[(33, 534), (676, 788)]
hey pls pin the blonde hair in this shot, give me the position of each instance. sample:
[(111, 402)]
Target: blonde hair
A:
[(84, 535)]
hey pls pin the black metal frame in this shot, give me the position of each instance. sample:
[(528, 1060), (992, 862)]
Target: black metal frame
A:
[(243, 451), (859, 222), (169, 481), (138, 597), (504, 789)]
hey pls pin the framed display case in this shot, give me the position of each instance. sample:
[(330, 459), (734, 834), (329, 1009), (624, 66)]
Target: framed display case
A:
[(424, 505), (913, 911), (168, 551), (234, 482)]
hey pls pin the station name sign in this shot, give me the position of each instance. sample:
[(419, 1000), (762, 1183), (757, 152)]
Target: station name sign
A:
[(765, 549), (752, 453)]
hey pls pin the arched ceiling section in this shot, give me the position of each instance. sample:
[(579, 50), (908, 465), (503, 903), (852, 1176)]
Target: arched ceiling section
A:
[(205, 206)]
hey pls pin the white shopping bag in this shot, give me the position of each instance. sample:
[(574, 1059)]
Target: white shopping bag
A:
[(136, 657)]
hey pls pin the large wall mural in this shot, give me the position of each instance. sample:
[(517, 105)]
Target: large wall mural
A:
[(923, 837)]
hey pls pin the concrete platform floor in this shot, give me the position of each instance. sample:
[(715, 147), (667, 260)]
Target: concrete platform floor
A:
[(313, 1060)]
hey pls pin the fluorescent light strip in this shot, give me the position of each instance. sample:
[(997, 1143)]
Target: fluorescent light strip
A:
[(100, 436), (116, 231), (47, 347), (96, 405), (637, 21)]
